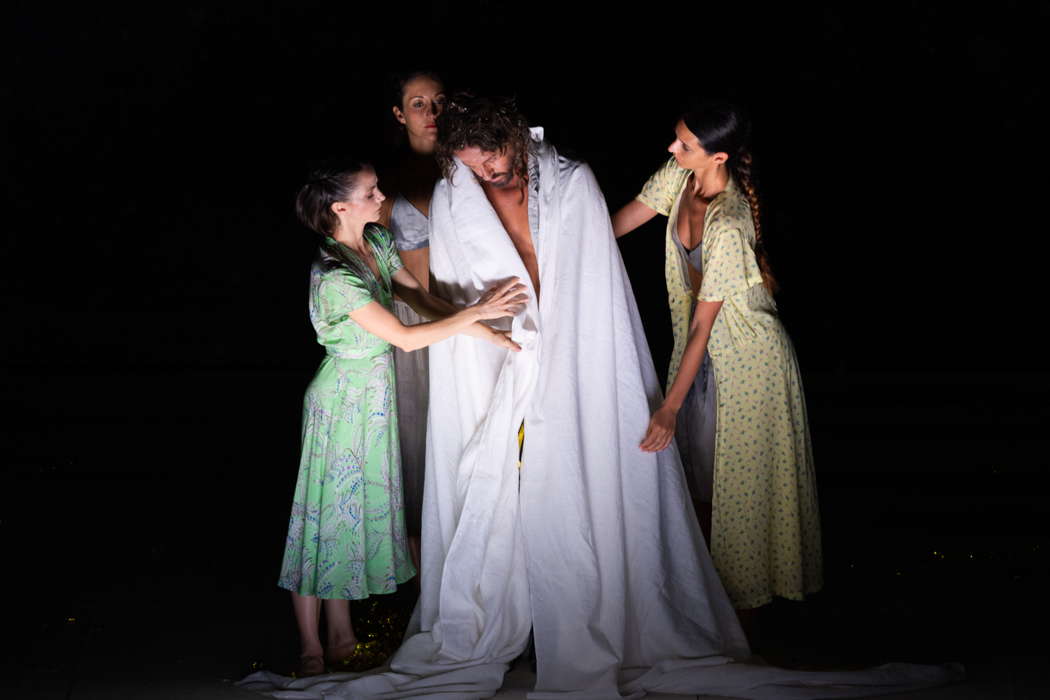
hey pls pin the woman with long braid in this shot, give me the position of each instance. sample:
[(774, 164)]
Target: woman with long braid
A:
[(743, 431)]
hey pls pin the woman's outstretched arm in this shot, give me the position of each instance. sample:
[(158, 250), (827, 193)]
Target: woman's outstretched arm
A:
[(422, 302), (434, 307), (506, 299), (662, 424), (631, 216)]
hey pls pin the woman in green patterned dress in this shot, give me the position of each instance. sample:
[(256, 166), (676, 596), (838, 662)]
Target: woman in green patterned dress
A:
[(346, 536), (765, 530)]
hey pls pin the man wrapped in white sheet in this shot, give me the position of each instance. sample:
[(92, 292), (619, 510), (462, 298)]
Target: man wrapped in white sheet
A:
[(587, 541), (591, 540)]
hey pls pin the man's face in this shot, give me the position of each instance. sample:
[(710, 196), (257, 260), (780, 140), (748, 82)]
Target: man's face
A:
[(494, 168)]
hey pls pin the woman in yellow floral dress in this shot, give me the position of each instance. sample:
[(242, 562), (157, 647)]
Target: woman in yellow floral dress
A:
[(765, 529)]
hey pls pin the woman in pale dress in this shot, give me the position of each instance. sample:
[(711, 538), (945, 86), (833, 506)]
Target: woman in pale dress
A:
[(765, 531), (418, 98), (346, 534)]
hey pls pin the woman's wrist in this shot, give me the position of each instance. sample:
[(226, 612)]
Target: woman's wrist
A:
[(671, 405), (477, 330), (469, 315)]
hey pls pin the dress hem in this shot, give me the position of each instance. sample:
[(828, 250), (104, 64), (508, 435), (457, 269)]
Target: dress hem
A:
[(766, 600), (363, 597)]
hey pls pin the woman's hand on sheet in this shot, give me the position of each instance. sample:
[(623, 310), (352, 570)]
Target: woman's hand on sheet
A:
[(661, 430), (502, 339), (505, 299)]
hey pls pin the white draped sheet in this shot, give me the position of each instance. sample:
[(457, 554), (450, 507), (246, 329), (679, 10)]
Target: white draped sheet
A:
[(587, 545), (593, 544)]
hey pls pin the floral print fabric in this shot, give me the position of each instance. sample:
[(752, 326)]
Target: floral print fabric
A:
[(765, 537), (346, 535)]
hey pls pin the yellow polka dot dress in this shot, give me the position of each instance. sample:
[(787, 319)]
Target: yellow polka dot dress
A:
[(765, 538)]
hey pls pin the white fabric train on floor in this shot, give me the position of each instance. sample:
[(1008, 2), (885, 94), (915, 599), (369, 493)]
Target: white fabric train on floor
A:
[(593, 543)]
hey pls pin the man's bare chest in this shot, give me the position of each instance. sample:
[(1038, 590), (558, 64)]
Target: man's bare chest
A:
[(512, 207)]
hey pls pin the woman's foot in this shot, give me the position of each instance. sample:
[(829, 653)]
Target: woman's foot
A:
[(336, 654), (310, 666), (361, 658)]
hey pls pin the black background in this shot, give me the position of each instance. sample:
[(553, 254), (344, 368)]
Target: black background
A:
[(156, 342)]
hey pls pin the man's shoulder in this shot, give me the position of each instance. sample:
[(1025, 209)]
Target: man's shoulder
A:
[(543, 151), (571, 170), (441, 191)]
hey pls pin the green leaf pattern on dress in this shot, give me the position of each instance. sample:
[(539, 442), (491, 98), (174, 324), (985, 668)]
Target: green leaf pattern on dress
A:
[(346, 535)]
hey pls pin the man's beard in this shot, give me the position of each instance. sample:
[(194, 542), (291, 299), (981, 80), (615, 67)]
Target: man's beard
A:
[(502, 180)]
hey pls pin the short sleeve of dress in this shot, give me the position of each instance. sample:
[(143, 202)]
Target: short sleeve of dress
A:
[(661, 189), (339, 293), (729, 264), (385, 247), (392, 257), (408, 225)]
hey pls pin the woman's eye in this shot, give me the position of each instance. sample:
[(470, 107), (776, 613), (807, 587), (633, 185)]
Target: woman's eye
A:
[(418, 104)]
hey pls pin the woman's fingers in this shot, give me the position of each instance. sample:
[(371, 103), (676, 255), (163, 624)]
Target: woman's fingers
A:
[(656, 438), (503, 338), (513, 295), (515, 303), (505, 299), (509, 289), (508, 284), (647, 441), (657, 442), (500, 290)]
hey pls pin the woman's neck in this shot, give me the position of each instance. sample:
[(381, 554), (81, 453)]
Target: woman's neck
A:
[(416, 166), (351, 234), (422, 146), (710, 183)]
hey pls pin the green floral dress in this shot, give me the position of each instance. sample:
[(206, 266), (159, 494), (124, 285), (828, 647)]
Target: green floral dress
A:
[(346, 535), (765, 529)]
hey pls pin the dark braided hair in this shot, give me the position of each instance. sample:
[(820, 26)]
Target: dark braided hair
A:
[(490, 124), (326, 186), (722, 127)]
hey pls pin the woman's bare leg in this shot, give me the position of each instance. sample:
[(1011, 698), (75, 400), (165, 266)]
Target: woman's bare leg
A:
[(413, 551), (307, 613), (341, 637)]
